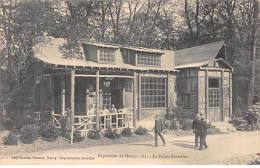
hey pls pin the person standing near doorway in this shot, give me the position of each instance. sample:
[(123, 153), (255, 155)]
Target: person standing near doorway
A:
[(195, 127), (158, 129), (203, 127)]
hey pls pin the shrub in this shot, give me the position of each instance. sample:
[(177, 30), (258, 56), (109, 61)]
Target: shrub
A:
[(18, 122), (29, 133), (140, 131), (167, 124), (173, 124), (77, 136), (48, 132), (15, 131), (94, 134), (126, 132), (186, 124), (112, 134), (10, 139)]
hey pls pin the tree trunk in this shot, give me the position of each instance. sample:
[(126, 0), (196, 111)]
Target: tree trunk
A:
[(253, 55)]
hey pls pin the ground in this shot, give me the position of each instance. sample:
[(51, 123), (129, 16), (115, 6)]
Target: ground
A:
[(232, 148)]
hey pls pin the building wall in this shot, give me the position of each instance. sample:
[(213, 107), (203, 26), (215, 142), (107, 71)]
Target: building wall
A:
[(171, 96), (187, 82), (201, 92)]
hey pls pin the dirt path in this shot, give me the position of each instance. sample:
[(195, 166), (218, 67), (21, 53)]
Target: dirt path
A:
[(178, 150)]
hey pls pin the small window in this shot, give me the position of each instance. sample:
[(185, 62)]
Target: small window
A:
[(214, 97), (129, 85), (148, 59), (107, 55), (106, 99), (213, 83)]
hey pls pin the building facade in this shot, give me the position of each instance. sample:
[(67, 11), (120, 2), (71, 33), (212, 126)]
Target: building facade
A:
[(117, 86)]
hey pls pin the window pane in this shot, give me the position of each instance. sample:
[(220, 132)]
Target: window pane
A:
[(107, 55), (154, 93), (149, 59)]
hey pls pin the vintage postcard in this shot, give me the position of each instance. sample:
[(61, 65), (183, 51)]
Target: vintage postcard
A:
[(129, 82)]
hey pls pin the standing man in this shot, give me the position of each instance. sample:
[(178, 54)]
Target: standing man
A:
[(195, 127), (158, 129), (203, 126)]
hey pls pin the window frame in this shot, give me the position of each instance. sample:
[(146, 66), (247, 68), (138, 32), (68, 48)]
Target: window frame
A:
[(148, 59), (153, 92), (104, 51), (106, 97)]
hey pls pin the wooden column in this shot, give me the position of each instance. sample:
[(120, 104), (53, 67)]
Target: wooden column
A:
[(139, 96), (168, 94), (63, 96), (87, 95), (72, 96), (230, 94), (42, 100), (222, 97), (134, 100), (207, 94), (52, 94), (97, 96), (198, 92)]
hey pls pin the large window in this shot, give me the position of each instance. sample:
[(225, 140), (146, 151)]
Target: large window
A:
[(107, 55), (148, 59), (214, 92), (153, 92)]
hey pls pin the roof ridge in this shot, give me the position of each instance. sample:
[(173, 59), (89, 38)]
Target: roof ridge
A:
[(203, 45)]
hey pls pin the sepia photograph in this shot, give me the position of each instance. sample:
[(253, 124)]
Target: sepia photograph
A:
[(129, 82)]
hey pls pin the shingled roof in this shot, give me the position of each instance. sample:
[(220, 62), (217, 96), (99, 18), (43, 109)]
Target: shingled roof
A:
[(51, 52), (198, 55)]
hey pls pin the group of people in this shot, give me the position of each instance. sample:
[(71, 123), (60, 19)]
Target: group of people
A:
[(200, 127), (253, 119)]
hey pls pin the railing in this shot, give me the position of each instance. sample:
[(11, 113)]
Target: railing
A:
[(56, 120), (37, 115), (106, 121), (123, 119)]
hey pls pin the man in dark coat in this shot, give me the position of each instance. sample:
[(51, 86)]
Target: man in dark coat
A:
[(158, 129), (195, 127), (203, 126)]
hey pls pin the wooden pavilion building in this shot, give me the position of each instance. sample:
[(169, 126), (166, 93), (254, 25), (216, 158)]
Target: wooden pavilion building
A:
[(115, 86)]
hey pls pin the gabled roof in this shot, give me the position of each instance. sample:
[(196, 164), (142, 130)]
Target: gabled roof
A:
[(201, 64), (197, 55)]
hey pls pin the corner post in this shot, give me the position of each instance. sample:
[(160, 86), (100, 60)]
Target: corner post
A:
[(207, 94), (62, 96), (72, 96), (222, 96), (97, 96), (134, 100), (168, 102), (139, 96), (230, 94), (52, 94), (42, 101)]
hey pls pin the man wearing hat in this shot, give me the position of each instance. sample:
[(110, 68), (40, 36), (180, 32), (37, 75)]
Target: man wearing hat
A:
[(158, 129), (203, 126), (195, 127)]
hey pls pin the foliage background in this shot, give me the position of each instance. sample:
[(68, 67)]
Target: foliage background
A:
[(161, 24)]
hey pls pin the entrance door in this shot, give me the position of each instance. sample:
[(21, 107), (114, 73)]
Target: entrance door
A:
[(117, 98)]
